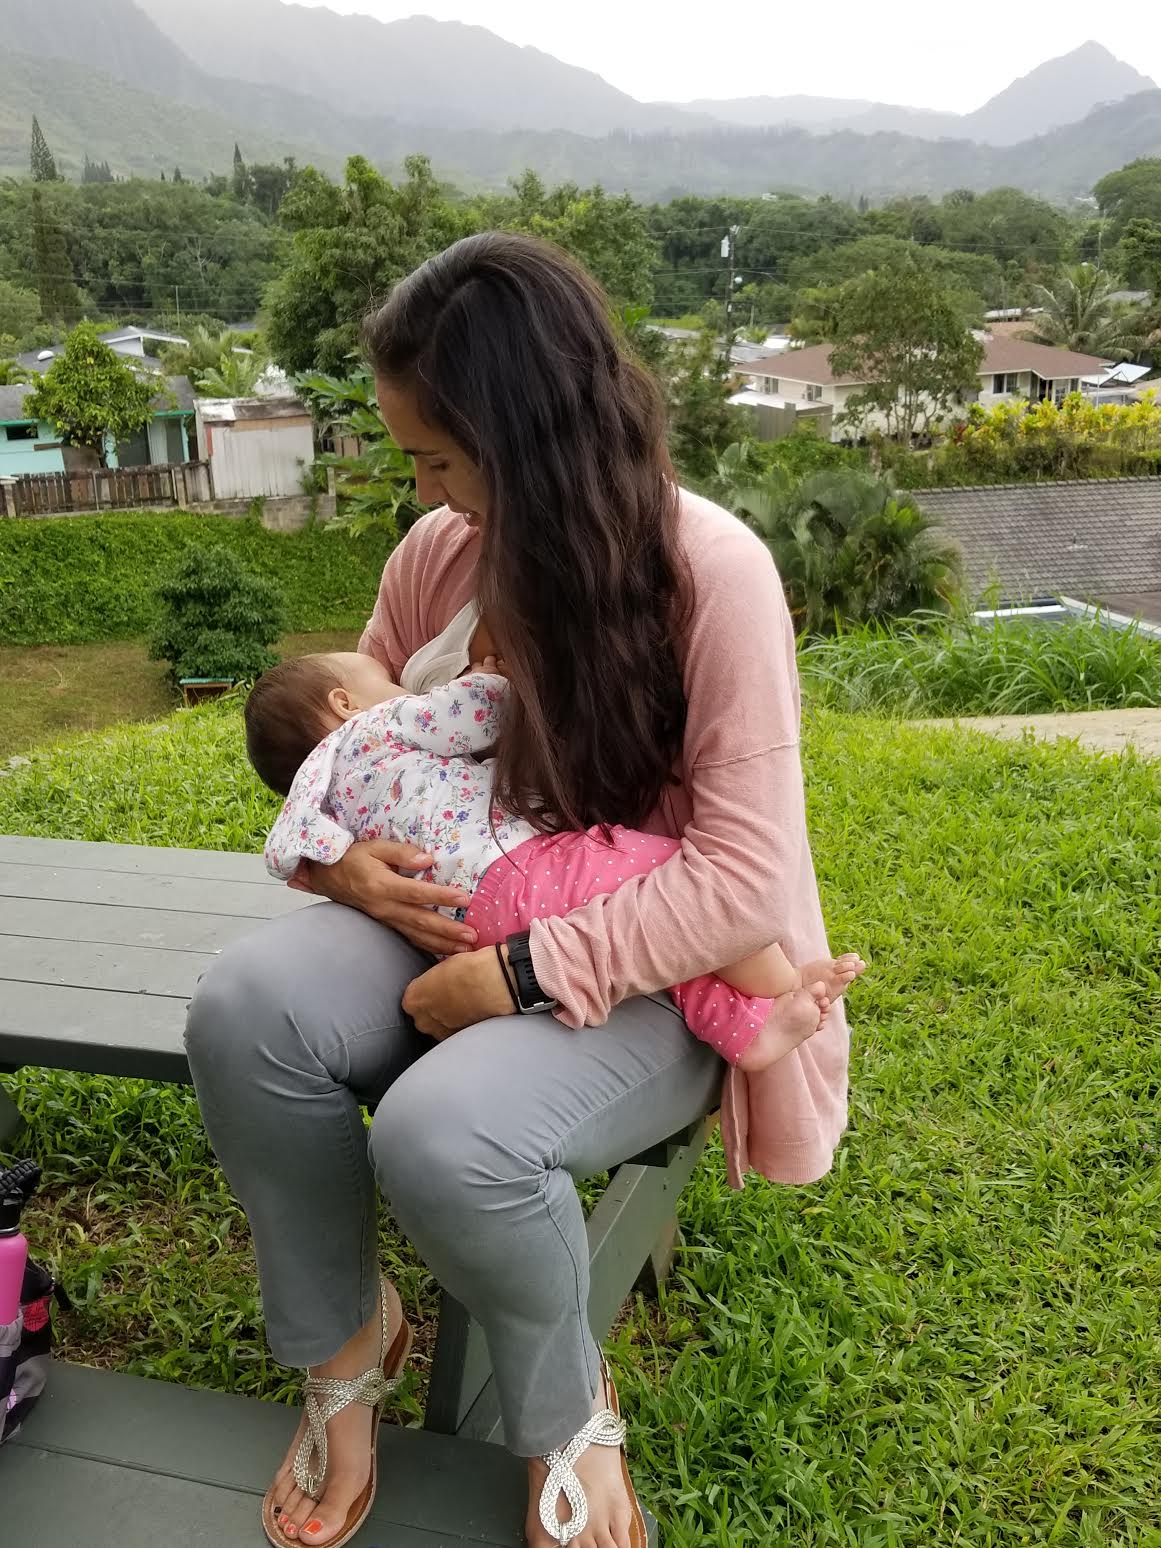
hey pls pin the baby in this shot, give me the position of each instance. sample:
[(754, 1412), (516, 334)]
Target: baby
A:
[(359, 758)]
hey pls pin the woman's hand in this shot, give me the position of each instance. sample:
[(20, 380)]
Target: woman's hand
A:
[(367, 878), (458, 993)]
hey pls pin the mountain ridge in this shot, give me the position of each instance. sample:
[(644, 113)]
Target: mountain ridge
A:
[(86, 87), (1061, 90)]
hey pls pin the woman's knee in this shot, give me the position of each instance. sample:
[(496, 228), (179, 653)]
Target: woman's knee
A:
[(233, 999), (433, 1138)]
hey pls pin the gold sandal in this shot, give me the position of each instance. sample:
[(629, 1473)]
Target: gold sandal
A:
[(328, 1395), (605, 1428)]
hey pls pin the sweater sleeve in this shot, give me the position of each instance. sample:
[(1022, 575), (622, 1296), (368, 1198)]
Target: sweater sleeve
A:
[(390, 635), (728, 891)]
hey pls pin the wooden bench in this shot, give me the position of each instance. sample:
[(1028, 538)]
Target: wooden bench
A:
[(100, 948)]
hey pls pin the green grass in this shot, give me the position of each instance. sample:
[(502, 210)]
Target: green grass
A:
[(953, 1339), (941, 667), (52, 691), (73, 579)]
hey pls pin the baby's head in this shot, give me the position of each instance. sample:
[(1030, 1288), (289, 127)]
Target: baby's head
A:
[(296, 704)]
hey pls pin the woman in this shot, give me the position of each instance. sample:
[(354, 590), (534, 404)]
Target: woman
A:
[(652, 667)]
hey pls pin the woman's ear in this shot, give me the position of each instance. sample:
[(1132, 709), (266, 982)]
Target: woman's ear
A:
[(339, 701)]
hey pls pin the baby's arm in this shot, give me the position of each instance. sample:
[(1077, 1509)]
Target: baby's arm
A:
[(303, 831), (463, 718)]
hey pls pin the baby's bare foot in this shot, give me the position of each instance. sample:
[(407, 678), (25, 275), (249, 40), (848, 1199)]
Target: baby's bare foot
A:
[(793, 1018), (836, 974)]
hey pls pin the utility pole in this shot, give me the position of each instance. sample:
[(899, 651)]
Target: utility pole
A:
[(728, 254)]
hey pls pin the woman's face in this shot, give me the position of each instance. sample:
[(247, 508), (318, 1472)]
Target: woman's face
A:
[(444, 474)]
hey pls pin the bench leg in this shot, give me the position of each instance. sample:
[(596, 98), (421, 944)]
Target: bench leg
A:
[(11, 1119), (660, 1260)]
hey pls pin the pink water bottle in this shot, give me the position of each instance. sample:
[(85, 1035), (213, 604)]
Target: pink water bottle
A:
[(16, 1188)]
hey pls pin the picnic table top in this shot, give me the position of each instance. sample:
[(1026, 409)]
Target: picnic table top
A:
[(101, 946)]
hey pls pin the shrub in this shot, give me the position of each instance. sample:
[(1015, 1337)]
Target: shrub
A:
[(940, 666), (218, 619), (84, 578)]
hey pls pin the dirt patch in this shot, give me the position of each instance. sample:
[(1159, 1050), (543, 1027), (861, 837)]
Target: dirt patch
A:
[(1098, 730)]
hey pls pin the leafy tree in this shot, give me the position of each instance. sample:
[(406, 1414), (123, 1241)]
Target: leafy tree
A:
[(241, 183), (59, 301), (217, 618), (902, 333), (90, 396), (1078, 313), (136, 242), (702, 421), (351, 243), (96, 172), (43, 165), (375, 484), (177, 177), (816, 314), (848, 547), (607, 233), (235, 375), (19, 311), (270, 184), (1133, 193), (1141, 254)]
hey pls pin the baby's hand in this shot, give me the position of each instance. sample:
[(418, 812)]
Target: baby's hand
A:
[(493, 665)]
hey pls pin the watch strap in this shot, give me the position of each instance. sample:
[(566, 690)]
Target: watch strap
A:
[(530, 997)]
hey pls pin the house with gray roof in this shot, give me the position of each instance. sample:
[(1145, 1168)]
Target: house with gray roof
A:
[(28, 445), (1097, 540)]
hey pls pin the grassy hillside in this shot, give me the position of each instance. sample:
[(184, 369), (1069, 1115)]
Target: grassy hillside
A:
[(84, 112)]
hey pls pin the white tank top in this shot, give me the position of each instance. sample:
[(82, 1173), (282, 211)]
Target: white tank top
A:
[(445, 658)]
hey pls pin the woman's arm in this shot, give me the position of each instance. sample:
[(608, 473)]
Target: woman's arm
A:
[(727, 893)]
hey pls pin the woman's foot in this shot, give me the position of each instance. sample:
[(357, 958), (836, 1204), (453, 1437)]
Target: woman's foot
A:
[(317, 1522), (793, 1018), (603, 1480)]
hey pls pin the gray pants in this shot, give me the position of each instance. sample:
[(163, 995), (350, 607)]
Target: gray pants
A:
[(475, 1143)]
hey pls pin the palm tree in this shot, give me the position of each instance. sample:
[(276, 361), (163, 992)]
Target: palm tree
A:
[(236, 375), (848, 546), (13, 374), (1079, 313)]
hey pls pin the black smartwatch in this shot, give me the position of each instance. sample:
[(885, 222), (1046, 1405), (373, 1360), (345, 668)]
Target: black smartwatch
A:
[(530, 997)]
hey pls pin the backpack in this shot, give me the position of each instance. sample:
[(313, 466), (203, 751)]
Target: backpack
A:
[(26, 1346)]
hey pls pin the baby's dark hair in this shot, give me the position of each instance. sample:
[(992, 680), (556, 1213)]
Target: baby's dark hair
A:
[(286, 718)]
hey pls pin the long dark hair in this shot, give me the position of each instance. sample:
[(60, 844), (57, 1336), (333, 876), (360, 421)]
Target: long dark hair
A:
[(509, 347)]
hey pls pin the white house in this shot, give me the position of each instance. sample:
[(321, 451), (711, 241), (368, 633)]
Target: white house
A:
[(802, 380)]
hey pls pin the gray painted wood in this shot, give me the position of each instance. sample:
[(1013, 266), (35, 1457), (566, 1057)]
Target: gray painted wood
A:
[(137, 859), (100, 1031), (167, 929), (125, 889), (215, 1454), (147, 970)]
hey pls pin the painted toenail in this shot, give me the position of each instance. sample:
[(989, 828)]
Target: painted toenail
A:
[(313, 1526)]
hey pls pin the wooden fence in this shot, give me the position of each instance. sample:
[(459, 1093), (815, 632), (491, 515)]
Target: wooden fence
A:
[(107, 489)]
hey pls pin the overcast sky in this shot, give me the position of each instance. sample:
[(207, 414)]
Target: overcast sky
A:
[(917, 52)]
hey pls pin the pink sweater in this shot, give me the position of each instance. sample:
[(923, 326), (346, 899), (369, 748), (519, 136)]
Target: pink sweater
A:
[(744, 876)]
